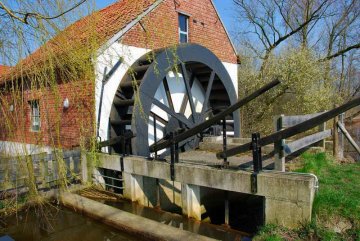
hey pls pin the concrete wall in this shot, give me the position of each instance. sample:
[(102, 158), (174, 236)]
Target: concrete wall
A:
[(288, 196)]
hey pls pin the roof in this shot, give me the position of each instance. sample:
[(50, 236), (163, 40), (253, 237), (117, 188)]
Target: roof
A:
[(100, 28), (106, 22), (4, 69)]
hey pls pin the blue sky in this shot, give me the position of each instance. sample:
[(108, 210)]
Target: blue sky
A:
[(225, 8)]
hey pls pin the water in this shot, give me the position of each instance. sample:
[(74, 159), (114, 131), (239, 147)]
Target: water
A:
[(179, 221), (58, 224)]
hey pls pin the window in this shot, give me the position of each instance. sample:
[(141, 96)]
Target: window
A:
[(35, 115), (183, 28)]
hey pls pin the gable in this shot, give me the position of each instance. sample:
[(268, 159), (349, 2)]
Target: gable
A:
[(159, 28)]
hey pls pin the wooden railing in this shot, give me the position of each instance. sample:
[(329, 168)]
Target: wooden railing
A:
[(14, 173), (283, 148)]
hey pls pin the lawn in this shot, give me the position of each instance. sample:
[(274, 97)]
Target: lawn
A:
[(336, 210)]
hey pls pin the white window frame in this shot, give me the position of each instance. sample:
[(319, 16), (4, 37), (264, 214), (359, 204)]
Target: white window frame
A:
[(187, 27), (35, 120)]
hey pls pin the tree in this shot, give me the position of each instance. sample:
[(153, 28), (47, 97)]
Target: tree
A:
[(27, 17), (324, 31), (35, 25)]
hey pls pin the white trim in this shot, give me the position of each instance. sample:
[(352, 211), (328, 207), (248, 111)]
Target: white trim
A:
[(222, 22), (129, 26)]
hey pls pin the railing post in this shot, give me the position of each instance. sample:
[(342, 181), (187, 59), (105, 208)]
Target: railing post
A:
[(341, 137), (335, 138), (322, 128), (279, 146), (256, 151), (226, 163), (155, 137), (257, 160)]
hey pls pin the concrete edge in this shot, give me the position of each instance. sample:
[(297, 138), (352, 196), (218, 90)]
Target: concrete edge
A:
[(127, 222)]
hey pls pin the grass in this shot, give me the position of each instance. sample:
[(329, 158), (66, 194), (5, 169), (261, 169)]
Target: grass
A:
[(336, 208)]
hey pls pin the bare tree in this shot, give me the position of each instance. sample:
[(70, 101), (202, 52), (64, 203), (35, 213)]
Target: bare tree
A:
[(271, 22), (25, 15)]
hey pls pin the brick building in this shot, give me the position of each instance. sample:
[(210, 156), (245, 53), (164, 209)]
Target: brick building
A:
[(125, 31)]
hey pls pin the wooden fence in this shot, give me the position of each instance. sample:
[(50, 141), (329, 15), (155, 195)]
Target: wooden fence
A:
[(283, 148), (14, 171)]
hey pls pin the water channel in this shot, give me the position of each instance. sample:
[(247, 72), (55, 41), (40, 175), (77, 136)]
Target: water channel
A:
[(55, 223)]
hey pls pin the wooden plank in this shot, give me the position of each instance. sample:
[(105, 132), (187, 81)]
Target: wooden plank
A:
[(348, 137), (306, 141), (288, 121)]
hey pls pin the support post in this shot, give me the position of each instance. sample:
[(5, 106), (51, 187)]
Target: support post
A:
[(279, 146), (322, 128), (341, 137), (84, 168), (134, 188), (257, 160), (256, 151), (191, 206), (338, 139), (227, 215), (172, 157)]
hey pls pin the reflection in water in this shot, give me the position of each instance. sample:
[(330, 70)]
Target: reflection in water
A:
[(178, 221), (58, 225)]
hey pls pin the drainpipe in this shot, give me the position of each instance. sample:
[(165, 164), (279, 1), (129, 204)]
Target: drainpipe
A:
[(104, 80)]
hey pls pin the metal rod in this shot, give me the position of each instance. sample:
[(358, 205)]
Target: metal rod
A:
[(291, 131), (114, 178), (109, 185), (203, 126)]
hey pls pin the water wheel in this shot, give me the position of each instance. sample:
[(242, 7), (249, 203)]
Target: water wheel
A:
[(179, 87)]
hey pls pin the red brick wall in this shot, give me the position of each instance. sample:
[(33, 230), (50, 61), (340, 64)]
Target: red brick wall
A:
[(59, 127), (161, 27)]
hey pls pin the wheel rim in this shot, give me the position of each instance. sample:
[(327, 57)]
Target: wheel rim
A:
[(167, 86)]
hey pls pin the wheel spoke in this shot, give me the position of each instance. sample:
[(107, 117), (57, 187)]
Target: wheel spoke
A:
[(168, 94), (188, 90), (208, 91), (186, 98), (171, 112)]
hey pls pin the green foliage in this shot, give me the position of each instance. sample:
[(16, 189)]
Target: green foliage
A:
[(339, 193), (337, 201), (302, 90)]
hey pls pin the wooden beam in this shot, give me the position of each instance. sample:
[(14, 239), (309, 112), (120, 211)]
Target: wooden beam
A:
[(116, 140), (306, 141), (288, 121), (348, 137)]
